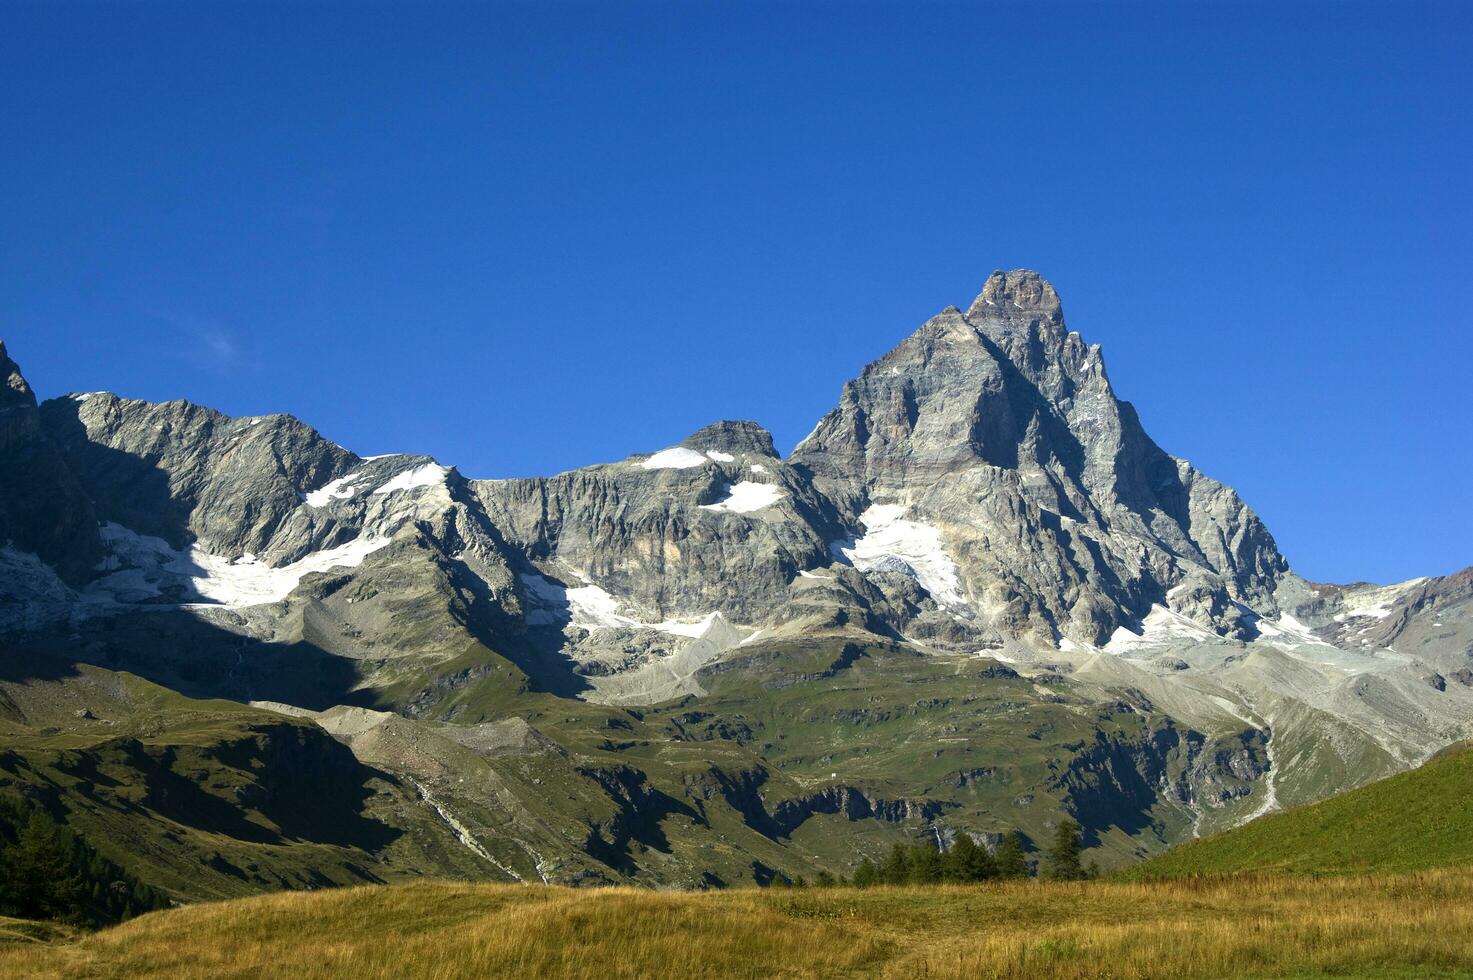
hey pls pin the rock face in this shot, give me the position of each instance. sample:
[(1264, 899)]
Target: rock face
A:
[(43, 509), (1000, 426), (185, 473), (976, 594)]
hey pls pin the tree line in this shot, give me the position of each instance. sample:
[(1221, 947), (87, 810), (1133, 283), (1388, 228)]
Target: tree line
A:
[(47, 872), (965, 861)]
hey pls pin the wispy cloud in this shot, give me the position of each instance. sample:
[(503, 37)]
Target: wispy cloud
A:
[(205, 342)]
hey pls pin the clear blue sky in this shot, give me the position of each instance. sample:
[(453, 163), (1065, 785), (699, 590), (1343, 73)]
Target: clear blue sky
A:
[(524, 238)]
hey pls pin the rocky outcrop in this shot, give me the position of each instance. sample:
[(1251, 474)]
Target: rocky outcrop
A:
[(743, 791), (1116, 781), (43, 507), (189, 474), (681, 533), (733, 437)]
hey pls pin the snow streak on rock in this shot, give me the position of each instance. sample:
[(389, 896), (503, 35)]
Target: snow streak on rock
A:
[(891, 543)]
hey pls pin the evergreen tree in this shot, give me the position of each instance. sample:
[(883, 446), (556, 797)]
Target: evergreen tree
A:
[(40, 880), (926, 865), (896, 869), (1009, 859), (968, 862), (866, 875), (48, 872), (823, 880), (1063, 857)]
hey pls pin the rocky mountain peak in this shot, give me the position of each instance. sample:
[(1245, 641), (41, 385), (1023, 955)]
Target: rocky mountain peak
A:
[(729, 436), (16, 392), (1060, 511), (1018, 289)]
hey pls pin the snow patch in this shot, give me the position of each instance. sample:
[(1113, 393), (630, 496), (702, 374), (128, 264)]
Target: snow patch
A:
[(590, 607), (757, 468), (31, 595), (1161, 627), (340, 489), (678, 458), (250, 583), (720, 457), (746, 497), (696, 629), (427, 475), (891, 543), (142, 568), (587, 606), (1375, 603), (1288, 631)]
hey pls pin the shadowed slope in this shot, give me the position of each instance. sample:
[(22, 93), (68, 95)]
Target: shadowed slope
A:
[(1407, 822)]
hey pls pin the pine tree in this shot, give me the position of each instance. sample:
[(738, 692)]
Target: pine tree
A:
[(866, 875), (926, 865), (1009, 858), (965, 861), (896, 869), (42, 883), (823, 880), (1063, 857)]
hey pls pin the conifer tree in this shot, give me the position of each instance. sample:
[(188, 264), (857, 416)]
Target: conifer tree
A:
[(41, 882), (965, 861), (1063, 857), (926, 865), (896, 869), (1009, 858), (866, 875)]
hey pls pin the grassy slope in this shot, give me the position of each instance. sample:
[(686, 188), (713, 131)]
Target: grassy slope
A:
[(639, 796), (1407, 822), (203, 799), (1418, 925), (987, 750)]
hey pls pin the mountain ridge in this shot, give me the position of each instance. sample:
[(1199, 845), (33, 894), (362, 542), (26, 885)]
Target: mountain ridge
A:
[(977, 595)]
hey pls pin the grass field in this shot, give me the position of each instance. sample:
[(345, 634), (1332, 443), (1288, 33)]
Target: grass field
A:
[(1413, 821), (1416, 925)]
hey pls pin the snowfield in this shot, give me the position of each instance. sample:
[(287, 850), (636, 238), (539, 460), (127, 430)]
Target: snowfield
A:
[(340, 489), (592, 608), (421, 476), (141, 568), (891, 543), (746, 497), (678, 458)]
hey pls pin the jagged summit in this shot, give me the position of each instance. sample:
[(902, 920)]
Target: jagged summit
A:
[(732, 437), (16, 392), (1020, 289), (1062, 515)]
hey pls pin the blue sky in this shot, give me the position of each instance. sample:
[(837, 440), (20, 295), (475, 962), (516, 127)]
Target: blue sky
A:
[(528, 237)]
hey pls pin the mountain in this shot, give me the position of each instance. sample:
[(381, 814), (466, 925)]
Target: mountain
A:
[(1412, 821), (975, 598)]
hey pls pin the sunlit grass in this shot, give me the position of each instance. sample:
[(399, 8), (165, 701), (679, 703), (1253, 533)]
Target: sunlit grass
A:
[(1412, 925)]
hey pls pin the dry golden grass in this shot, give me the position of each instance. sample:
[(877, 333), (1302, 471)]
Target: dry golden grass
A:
[(1417, 925)]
